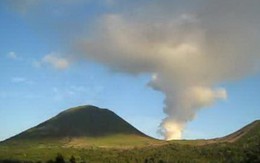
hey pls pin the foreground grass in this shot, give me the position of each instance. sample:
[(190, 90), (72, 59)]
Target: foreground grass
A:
[(83, 149), (115, 141), (128, 149), (223, 152)]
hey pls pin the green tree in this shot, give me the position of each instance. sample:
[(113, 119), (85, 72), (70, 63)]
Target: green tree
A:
[(72, 159), (59, 159)]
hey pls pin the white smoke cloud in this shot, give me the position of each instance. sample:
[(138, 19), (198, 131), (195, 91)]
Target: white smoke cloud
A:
[(189, 48), (183, 107), (188, 54)]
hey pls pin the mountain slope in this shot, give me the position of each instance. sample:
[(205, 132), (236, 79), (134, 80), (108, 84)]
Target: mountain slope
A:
[(83, 121), (83, 126), (248, 132)]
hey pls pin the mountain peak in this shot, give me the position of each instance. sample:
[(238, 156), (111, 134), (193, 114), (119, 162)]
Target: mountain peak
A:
[(83, 107), (81, 121)]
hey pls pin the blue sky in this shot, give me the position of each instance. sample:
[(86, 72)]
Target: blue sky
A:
[(33, 87)]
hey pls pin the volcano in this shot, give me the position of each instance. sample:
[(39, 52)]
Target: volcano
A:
[(84, 126), (83, 121)]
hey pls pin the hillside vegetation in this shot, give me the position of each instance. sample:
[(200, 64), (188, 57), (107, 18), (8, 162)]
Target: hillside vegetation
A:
[(83, 121)]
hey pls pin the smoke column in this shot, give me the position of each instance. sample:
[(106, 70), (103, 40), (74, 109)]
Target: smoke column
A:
[(188, 47), (188, 53), (181, 68)]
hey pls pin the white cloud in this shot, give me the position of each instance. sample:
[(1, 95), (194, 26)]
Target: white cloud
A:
[(54, 60), (21, 80), (18, 79), (12, 55)]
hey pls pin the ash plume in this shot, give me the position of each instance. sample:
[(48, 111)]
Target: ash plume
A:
[(176, 57), (188, 53)]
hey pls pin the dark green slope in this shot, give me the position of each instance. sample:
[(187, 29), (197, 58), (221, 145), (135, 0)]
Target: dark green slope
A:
[(250, 132), (247, 133), (83, 121)]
